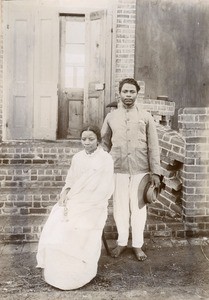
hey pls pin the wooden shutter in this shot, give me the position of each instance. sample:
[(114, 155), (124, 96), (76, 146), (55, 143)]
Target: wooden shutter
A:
[(95, 68), (18, 64), (46, 73)]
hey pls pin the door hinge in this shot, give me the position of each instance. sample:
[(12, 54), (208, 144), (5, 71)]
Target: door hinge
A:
[(7, 26), (99, 86)]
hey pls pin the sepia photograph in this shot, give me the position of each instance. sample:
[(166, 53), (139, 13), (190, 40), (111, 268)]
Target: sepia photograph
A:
[(104, 149)]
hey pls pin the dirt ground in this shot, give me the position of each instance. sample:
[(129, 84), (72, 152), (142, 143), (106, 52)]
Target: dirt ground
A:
[(180, 272)]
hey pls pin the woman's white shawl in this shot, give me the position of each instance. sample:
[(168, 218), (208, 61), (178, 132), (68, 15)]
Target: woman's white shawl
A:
[(70, 245)]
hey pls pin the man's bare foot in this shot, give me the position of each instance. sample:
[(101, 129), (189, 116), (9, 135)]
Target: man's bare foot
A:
[(140, 255), (118, 250)]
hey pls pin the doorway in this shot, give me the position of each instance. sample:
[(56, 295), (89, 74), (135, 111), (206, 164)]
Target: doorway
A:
[(84, 71), (72, 73)]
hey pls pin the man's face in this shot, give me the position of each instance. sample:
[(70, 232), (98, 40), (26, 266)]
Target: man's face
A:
[(128, 94)]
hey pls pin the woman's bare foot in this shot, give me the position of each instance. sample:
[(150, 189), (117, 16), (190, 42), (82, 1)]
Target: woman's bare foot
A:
[(118, 250), (140, 255)]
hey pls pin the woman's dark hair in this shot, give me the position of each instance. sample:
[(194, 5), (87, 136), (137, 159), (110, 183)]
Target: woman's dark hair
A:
[(94, 129), (130, 81)]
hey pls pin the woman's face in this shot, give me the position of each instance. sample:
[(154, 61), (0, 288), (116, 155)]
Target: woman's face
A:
[(89, 141)]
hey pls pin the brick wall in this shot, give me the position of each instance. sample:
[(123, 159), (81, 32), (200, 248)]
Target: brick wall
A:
[(172, 151), (161, 110), (165, 216), (194, 127), (32, 175), (125, 40)]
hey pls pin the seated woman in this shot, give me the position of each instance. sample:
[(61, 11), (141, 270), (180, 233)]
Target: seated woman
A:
[(70, 243)]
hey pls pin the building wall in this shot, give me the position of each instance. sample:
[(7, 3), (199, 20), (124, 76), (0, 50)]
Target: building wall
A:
[(172, 50), (1, 69), (171, 54)]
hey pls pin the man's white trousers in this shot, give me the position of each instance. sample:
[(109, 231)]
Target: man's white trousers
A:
[(125, 209)]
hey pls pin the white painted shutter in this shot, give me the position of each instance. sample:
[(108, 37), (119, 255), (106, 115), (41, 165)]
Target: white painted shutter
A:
[(46, 73), (18, 64)]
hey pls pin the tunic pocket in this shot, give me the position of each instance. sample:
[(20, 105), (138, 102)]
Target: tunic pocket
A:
[(116, 155), (142, 158)]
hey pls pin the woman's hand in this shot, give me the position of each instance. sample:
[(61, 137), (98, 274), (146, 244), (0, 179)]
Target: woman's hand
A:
[(63, 197)]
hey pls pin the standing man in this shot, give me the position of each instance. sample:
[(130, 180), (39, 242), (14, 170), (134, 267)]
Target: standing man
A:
[(129, 133)]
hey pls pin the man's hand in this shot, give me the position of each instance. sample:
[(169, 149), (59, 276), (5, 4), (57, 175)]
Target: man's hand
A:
[(155, 180)]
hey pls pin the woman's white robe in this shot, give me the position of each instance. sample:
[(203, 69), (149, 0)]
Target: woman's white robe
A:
[(70, 245)]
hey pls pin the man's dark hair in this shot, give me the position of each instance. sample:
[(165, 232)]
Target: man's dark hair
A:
[(94, 129), (130, 81)]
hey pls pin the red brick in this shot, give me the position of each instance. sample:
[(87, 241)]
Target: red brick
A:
[(173, 183), (176, 208), (195, 183), (187, 191), (194, 110), (38, 211), (188, 204), (196, 140), (195, 169), (165, 145)]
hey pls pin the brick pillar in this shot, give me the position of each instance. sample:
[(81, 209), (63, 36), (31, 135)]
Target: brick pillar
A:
[(125, 40), (194, 127)]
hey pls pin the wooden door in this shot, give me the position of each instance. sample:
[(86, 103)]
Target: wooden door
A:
[(18, 70), (72, 66)]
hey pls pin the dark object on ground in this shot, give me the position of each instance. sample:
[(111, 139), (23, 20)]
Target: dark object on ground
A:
[(105, 243), (112, 104)]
